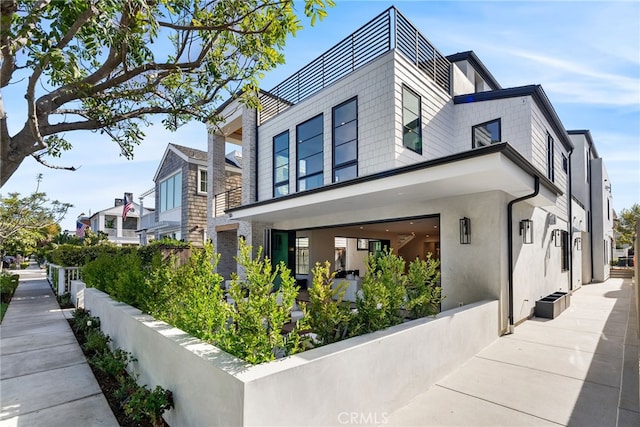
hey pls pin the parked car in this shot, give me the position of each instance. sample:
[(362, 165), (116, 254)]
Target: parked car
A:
[(8, 260)]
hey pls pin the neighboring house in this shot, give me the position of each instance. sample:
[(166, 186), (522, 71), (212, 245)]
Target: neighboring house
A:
[(387, 142), (120, 231), (181, 195), (591, 189)]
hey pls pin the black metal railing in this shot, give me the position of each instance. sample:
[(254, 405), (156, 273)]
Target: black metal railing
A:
[(387, 31), (227, 200)]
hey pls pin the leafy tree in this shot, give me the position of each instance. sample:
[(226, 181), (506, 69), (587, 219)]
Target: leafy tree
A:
[(626, 223), (108, 65), (25, 221)]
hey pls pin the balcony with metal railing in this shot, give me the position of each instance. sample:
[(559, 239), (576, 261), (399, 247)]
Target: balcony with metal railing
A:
[(388, 31), (227, 200)]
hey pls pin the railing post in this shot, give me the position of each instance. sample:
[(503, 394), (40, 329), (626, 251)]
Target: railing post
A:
[(61, 280)]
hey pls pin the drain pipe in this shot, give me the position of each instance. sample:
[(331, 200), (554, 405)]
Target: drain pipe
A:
[(536, 190), (570, 209)]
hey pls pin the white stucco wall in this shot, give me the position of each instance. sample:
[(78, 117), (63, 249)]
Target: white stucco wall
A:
[(602, 220), (365, 374)]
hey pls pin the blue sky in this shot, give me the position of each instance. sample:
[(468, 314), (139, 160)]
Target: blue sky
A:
[(586, 55)]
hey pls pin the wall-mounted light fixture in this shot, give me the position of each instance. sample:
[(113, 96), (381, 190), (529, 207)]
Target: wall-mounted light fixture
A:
[(557, 237), (578, 243), (465, 231), (526, 231)]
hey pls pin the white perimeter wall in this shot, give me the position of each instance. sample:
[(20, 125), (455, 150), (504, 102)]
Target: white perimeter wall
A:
[(372, 374)]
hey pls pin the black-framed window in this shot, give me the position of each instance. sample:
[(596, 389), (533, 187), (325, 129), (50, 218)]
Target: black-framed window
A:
[(302, 255), (310, 139), (281, 164), (551, 173), (565, 164), (486, 133), (565, 250), (411, 120), (345, 140)]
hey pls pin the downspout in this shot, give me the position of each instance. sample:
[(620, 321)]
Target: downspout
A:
[(536, 190)]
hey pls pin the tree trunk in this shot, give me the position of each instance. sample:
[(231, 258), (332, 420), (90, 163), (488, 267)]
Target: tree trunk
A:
[(14, 150)]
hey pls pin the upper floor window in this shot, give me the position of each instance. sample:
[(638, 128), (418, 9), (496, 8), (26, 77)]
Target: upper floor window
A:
[(345, 141), (171, 192), (281, 164), (486, 133), (310, 139), (550, 166), (411, 120), (202, 181), (565, 164)]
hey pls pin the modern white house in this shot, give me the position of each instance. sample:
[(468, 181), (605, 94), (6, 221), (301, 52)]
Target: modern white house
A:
[(121, 231), (591, 189), (180, 195), (382, 141)]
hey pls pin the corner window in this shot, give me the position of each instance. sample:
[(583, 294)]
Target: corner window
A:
[(565, 164), (310, 140), (202, 181), (171, 192), (486, 133), (411, 120), (281, 164), (550, 165), (345, 141)]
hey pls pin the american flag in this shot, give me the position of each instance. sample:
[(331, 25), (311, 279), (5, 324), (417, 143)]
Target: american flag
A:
[(80, 228), (128, 205)]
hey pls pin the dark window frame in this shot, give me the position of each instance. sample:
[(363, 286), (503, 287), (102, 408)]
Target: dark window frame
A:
[(551, 170), (473, 131), (350, 163), (277, 184), (298, 142), (565, 250), (406, 89), (565, 163)]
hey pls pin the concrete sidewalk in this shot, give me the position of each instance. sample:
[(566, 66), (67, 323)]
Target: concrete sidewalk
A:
[(579, 369), (45, 379)]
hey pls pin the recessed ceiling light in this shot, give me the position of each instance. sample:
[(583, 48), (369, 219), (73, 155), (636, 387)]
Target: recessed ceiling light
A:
[(361, 228), (435, 226), (427, 235), (411, 223), (386, 229)]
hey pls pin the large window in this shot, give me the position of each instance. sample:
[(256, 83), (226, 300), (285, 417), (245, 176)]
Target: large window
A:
[(345, 141), (486, 133), (550, 166), (171, 192), (411, 121), (281, 164), (310, 153)]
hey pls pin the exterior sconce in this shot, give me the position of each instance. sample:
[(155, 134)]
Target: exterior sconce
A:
[(557, 237), (526, 231), (465, 231), (579, 243)]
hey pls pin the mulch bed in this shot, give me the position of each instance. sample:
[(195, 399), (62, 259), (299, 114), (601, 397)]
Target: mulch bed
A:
[(109, 385)]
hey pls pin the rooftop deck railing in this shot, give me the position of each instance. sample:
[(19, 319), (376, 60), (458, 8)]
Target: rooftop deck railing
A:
[(387, 31)]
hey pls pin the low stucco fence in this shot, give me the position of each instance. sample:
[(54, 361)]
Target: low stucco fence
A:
[(371, 375)]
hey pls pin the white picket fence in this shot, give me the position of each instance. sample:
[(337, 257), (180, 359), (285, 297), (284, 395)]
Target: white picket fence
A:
[(60, 277)]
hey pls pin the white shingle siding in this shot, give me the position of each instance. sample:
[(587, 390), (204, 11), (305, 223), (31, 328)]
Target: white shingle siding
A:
[(515, 122), (437, 115)]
